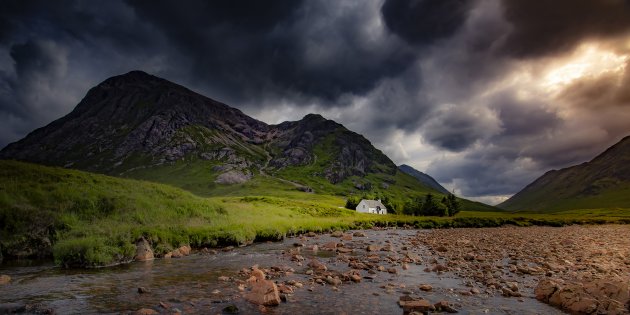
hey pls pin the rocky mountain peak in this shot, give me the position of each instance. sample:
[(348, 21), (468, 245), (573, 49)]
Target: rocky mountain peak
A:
[(139, 121)]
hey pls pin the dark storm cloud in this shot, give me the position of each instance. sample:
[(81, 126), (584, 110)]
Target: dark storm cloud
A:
[(424, 21), (249, 49), (523, 118), (456, 128), (548, 27)]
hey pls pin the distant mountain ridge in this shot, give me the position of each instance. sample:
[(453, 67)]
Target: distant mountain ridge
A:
[(604, 182), (423, 178)]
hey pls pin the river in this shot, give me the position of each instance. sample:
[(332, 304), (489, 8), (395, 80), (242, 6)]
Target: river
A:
[(191, 285)]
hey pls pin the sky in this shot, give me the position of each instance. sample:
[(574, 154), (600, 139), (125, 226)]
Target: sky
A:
[(483, 95)]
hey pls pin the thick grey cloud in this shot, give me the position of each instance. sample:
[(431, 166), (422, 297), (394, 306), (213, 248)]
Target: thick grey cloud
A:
[(424, 21), (250, 49), (541, 28), (462, 89)]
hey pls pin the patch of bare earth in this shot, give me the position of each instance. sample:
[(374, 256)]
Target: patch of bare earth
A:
[(580, 269)]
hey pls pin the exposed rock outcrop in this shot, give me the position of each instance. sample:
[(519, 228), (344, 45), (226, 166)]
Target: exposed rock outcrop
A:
[(143, 250)]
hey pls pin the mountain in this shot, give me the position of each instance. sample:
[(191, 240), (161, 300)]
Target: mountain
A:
[(604, 182), (423, 178), (140, 126)]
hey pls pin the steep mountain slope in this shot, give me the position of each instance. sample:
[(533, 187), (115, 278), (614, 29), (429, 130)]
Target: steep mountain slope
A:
[(423, 178), (138, 120), (140, 126), (604, 182)]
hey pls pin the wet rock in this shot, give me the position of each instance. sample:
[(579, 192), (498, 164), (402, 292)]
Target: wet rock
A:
[(165, 305), (416, 305), (11, 308), (336, 234), (444, 306), (507, 292), (4, 279), (333, 281), (230, 309), (426, 287), (143, 290), (311, 234), (329, 246), (441, 249), (373, 248), (347, 237), (263, 292), (223, 278), (344, 250), (144, 251), (146, 311), (355, 278), (358, 234), (317, 266), (545, 289)]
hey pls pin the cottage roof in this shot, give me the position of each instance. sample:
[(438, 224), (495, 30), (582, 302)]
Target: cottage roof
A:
[(374, 203)]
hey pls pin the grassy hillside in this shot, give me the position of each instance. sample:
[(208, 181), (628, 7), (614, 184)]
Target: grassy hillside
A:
[(85, 219), (603, 182)]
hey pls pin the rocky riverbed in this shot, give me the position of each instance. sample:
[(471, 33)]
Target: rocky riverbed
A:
[(507, 270)]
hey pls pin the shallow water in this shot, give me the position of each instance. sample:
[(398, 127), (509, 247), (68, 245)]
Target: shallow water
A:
[(187, 285)]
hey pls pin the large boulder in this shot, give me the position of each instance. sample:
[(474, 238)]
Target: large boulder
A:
[(602, 296), (144, 251), (263, 292)]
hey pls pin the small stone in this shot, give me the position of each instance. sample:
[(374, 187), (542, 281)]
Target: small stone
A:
[(142, 290), (444, 306), (426, 287), (373, 248), (230, 309), (336, 234), (146, 311), (358, 234), (223, 278), (421, 306), (4, 279), (355, 278)]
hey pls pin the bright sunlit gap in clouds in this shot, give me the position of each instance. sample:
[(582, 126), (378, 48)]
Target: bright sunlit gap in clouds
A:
[(587, 61)]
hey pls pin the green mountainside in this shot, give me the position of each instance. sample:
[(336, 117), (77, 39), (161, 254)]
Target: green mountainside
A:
[(423, 178), (604, 182), (140, 126)]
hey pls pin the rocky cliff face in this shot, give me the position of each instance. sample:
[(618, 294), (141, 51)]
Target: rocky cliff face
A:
[(350, 154), (139, 121)]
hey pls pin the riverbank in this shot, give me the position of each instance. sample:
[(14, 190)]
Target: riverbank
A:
[(87, 220)]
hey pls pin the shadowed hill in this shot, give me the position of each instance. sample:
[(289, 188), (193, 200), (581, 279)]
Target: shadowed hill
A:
[(604, 182)]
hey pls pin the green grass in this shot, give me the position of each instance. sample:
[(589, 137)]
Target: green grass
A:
[(93, 220)]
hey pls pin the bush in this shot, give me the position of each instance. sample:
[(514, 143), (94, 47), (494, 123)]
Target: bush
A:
[(91, 252)]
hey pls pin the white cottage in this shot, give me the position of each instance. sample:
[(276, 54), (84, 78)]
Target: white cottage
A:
[(371, 206)]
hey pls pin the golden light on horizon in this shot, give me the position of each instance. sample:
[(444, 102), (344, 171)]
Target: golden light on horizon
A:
[(587, 61)]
